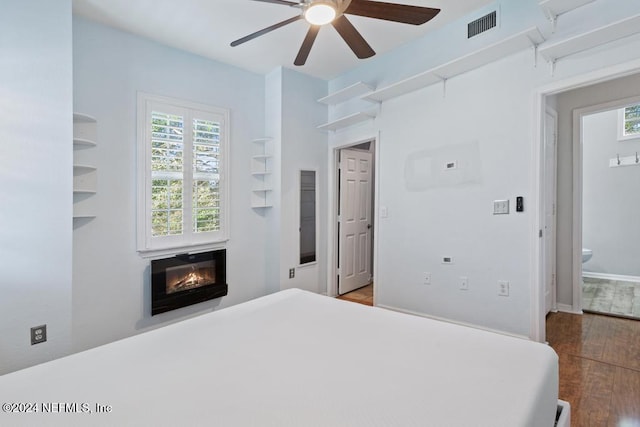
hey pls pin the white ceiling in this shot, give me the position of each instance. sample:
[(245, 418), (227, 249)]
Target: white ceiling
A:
[(206, 27)]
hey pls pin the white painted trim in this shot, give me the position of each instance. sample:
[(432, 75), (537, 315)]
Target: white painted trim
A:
[(564, 308), (576, 259), (554, 296), (454, 322), (607, 276), (537, 327), (332, 218)]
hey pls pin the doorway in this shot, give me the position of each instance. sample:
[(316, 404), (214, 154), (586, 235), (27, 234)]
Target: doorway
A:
[(354, 218), (582, 92), (609, 139)]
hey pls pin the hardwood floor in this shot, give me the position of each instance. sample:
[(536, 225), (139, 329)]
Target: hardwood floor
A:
[(361, 296), (599, 368)]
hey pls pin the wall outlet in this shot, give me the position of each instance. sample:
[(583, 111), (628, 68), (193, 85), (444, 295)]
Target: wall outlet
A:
[(447, 260), (38, 334), (464, 283), (292, 273), (426, 278), (503, 288)]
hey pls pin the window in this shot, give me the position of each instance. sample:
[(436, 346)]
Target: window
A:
[(182, 153), (629, 122)]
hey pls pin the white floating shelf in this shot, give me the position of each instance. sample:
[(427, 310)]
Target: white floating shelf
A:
[(508, 46), (349, 120), (260, 173), (81, 216), (83, 168), (261, 140), (349, 92), (261, 156), (83, 191), (82, 142), (597, 37), (558, 7), (83, 118)]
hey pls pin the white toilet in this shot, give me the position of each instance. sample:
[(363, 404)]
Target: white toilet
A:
[(586, 254)]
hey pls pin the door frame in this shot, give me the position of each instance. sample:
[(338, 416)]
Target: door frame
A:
[(332, 213), (537, 305), (554, 287), (578, 171)]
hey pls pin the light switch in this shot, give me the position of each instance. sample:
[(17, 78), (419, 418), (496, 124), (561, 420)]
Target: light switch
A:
[(500, 207)]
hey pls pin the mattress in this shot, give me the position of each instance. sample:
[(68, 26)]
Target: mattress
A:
[(294, 358)]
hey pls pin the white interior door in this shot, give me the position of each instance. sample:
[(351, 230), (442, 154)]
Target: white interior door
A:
[(549, 245), (354, 269)]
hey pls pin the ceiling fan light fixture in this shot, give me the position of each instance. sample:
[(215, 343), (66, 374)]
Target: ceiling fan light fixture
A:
[(320, 13)]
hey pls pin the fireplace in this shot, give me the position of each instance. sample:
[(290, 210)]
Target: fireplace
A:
[(187, 279)]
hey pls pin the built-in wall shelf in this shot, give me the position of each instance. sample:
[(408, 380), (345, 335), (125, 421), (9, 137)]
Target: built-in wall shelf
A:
[(84, 175), (261, 185), (349, 120), (505, 47), (597, 37), (355, 90), (553, 8), (82, 142)]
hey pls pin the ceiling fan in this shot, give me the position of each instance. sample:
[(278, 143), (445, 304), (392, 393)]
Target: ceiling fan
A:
[(321, 12)]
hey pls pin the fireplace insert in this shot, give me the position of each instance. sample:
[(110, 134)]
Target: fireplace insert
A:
[(187, 279)]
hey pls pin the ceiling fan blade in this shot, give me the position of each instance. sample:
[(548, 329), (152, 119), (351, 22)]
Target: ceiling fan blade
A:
[(265, 30), (282, 2), (303, 54), (352, 37), (406, 14)]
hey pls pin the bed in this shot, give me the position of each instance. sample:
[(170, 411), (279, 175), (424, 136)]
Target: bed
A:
[(294, 358)]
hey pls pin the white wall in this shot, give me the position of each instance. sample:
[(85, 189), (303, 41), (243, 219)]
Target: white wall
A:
[(111, 289), (36, 174), (303, 146), (611, 200), (292, 117), (486, 117)]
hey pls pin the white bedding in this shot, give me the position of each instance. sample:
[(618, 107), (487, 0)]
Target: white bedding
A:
[(296, 359)]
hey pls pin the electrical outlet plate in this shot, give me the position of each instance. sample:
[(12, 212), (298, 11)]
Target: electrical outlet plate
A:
[(426, 278), (464, 283), (503, 288), (292, 273), (38, 334)]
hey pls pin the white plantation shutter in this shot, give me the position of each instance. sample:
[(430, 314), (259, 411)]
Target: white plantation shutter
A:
[(182, 158)]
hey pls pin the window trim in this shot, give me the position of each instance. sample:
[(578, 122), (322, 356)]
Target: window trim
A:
[(621, 125), (147, 246)]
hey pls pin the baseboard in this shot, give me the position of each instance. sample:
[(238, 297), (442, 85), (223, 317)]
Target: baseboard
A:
[(455, 322), (607, 276), (566, 308)]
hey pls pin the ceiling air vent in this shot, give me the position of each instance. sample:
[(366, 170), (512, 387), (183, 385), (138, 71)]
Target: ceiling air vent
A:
[(481, 25)]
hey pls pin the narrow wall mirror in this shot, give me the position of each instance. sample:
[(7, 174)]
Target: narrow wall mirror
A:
[(307, 216)]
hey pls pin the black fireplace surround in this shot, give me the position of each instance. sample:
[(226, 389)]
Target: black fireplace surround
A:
[(187, 279)]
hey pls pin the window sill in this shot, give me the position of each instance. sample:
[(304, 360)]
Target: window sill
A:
[(629, 138), (171, 251)]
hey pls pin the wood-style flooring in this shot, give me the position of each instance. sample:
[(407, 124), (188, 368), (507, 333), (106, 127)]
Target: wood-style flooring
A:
[(599, 365), (362, 296), (599, 368)]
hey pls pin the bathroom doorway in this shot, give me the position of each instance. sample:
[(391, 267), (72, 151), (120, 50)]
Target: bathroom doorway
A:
[(610, 146)]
